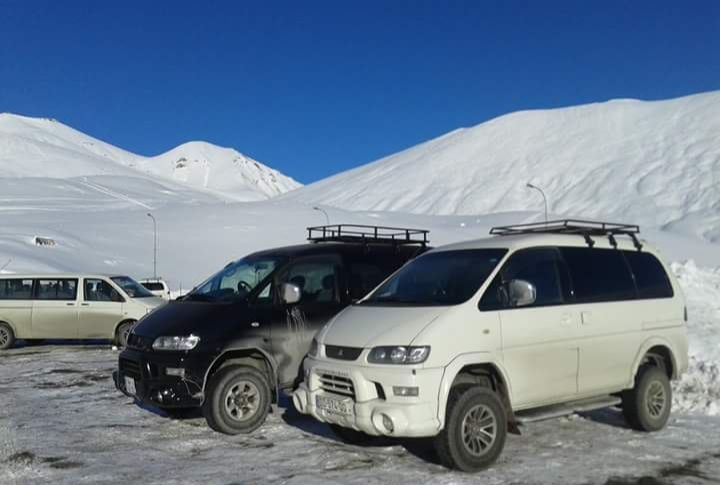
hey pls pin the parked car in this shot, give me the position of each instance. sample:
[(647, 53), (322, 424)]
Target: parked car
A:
[(158, 287), (238, 339), (70, 306), (472, 339)]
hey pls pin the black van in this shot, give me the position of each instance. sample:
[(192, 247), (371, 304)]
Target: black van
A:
[(238, 339)]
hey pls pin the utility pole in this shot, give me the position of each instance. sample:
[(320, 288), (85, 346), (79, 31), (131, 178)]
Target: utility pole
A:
[(154, 245), (531, 186), (327, 218)]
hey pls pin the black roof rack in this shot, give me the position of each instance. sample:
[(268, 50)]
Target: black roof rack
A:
[(574, 226), (398, 236)]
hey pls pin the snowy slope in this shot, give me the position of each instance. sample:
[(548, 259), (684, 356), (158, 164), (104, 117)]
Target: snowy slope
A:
[(208, 166), (656, 163), (40, 147)]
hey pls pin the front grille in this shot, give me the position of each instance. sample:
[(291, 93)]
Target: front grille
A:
[(342, 353), (139, 342), (337, 385), (130, 368)]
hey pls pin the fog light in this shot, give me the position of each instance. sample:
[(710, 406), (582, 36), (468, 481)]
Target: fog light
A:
[(175, 371), (388, 423), (406, 391)]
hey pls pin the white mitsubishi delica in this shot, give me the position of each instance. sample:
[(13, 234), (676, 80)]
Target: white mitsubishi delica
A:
[(469, 340)]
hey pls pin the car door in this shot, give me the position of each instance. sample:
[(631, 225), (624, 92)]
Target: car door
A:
[(539, 341), (55, 308), (100, 309), (294, 326), (610, 331)]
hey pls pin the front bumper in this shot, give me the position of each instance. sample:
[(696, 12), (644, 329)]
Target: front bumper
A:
[(152, 384), (371, 397)]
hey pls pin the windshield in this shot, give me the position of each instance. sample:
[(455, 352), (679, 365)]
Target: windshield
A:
[(131, 287), (440, 278), (236, 280)]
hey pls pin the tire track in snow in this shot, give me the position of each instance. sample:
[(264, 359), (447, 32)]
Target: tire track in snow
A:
[(116, 195)]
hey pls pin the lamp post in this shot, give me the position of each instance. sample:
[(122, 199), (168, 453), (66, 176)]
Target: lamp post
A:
[(531, 186), (154, 245), (320, 209)]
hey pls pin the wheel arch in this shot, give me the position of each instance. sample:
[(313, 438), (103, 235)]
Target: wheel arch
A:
[(473, 369), (122, 322), (660, 352), (250, 356)]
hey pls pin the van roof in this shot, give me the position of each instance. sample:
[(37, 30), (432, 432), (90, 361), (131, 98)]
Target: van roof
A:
[(344, 248), (521, 241)]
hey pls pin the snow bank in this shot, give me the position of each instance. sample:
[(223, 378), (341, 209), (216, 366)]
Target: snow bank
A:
[(699, 388)]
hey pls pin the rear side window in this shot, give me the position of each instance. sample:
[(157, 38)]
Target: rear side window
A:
[(599, 275), (16, 289), (56, 289), (650, 277), (363, 277), (153, 286)]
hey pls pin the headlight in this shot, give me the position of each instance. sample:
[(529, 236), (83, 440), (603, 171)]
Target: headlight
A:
[(313, 352), (399, 355), (176, 343)]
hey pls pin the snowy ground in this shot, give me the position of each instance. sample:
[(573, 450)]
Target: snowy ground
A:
[(61, 421)]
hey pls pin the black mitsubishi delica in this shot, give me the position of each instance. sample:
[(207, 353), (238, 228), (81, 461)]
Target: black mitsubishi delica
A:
[(237, 340)]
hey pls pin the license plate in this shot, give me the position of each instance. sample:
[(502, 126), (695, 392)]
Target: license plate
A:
[(130, 385), (335, 405)]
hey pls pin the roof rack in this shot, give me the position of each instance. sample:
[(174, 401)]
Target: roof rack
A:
[(398, 236), (587, 229)]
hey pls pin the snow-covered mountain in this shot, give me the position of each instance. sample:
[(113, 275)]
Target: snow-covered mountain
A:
[(656, 163), (41, 147)]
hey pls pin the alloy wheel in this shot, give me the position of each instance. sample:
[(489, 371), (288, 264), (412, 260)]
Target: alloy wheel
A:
[(242, 400), (479, 430)]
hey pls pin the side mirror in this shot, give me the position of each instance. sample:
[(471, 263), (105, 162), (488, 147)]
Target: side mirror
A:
[(290, 293), (521, 293)]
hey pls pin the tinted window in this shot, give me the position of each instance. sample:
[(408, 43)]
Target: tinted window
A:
[(153, 286), (540, 266), (100, 290), (317, 280), (440, 278), (364, 277), (599, 274), (15, 289), (56, 289), (650, 276)]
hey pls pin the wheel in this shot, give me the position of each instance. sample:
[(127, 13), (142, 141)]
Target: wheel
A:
[(350, 436), (475, 430), (237, 400), (122, 333), (7, 336), (646, 406)]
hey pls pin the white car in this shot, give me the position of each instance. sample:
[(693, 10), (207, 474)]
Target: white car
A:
[(70, 306), (470, 340), (157, 287)]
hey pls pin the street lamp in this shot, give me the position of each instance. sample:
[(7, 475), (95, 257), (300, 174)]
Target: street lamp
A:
[(154, 245), (531, 186), (327, 218)]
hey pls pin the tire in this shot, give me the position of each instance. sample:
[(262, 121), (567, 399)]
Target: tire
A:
[(7, 336), (462, 446), (122, 332), (247, 410), (646, 406), (350, 436)]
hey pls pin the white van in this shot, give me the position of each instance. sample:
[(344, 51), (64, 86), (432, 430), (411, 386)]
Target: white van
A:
[(470, 340), (157, 287), (70, 306)]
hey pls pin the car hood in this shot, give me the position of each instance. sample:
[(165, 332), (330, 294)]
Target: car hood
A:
[(369, 326), (185, 318)]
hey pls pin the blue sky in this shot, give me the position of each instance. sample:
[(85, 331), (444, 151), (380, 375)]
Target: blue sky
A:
[(313, 88)]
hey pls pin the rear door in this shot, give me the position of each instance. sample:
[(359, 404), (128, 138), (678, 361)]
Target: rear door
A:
[(55, 308), (294, 326), (100, 309), (539, 341)]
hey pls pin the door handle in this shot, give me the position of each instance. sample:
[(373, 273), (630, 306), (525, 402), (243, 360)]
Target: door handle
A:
[(566, 320), (84, 304), (70, 304)]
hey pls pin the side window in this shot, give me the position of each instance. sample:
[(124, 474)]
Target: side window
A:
[(16, 289), (650, 277), (364, 277), (541, 267), (317, 280), (100, 290), (599, 275), (56, 289)]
